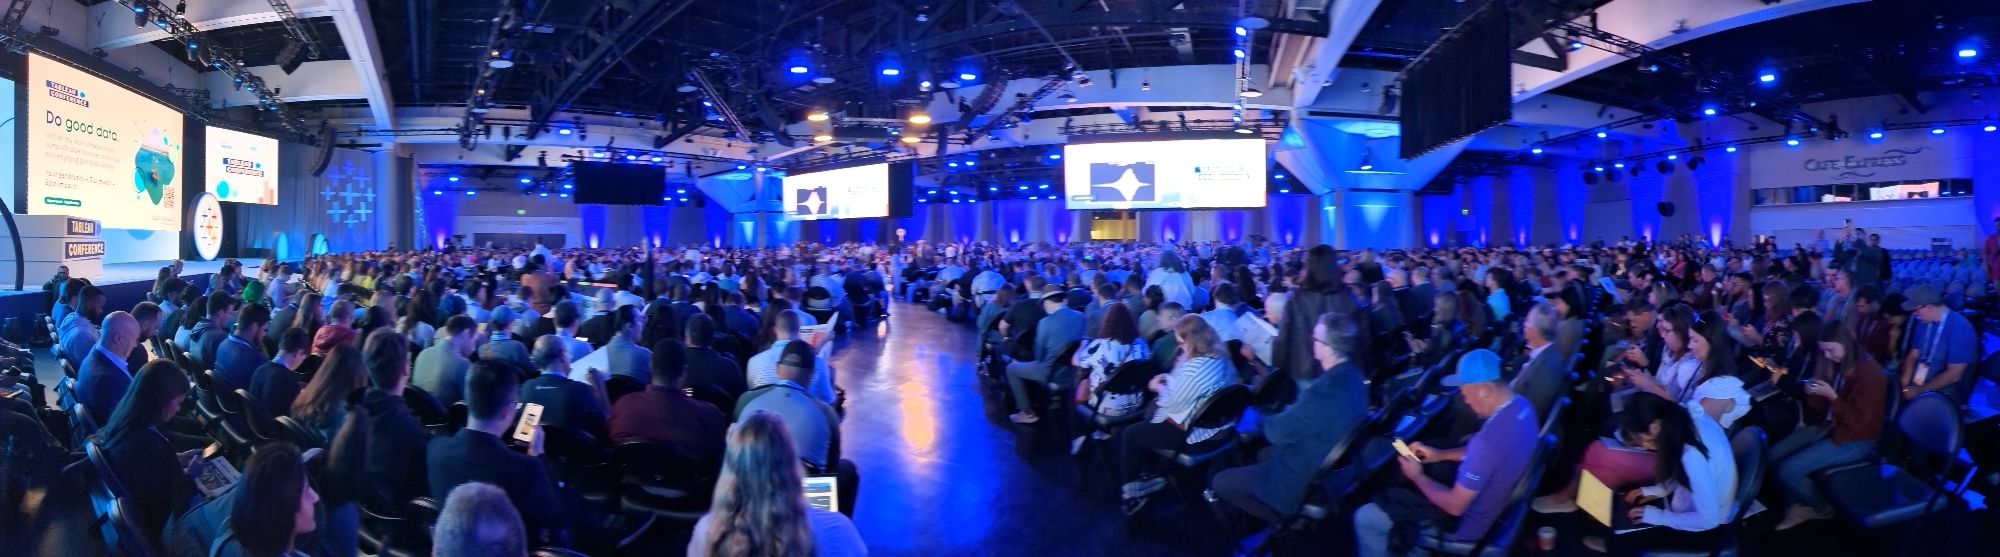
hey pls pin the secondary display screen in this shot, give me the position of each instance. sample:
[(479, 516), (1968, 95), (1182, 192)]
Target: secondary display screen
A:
[(242, 168), (869, 191), (99, 151), (1166, 174)]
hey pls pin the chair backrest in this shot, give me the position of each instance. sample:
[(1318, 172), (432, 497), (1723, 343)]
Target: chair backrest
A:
[(1067, 352), (424, 407), (618, 385), (1499, 536), (1930, 423), (662, 465), (1748, 446), (1555, 415), (1130, 377), (259, 417), (82, 423), (1221, 408), (101, 465), (224, 396), (299, 434), (126, 534), (571, 447)]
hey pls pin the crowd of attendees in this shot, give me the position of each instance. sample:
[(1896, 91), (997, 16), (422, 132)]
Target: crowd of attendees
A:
[(372, 395)]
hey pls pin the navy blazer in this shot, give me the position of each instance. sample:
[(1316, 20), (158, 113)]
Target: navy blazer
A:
[(100, 385)]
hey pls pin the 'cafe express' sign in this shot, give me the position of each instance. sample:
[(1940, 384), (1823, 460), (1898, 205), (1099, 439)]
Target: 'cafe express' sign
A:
[(1888, 158)]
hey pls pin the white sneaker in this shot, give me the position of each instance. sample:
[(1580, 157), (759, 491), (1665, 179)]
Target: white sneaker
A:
[(1145, 485), (1023, 418), (1548, 504), (1076, 446)]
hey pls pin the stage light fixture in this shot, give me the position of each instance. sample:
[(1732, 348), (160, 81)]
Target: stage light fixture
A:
[(1874, 135), (1055, 156), (1729, 149), (1710, 111), (1536, 150), (1602, 135), (911, 139), (1241, 32), (1598, 168), (1696, 161), (569, 186), (563, 195), (565, 131), (1968, 53), (822, 137), (799, 69), (470, 193), (972, 163), (1066, 97), (1990, 127), (1767, 77), (968, 76), (1663, 167), (1791, 142), (1937, 131), (659, 159), (437, 192), (1575, 45), (1673, 157), (1618, 165), (1590, 177), (527, 180), (1251, 93), (891, 72), (545, 194), (452, 179), (920, 118)]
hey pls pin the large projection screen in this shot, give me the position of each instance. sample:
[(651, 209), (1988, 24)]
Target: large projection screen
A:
[(846, 193), (100, 151), (1165, 174), (242, 168)]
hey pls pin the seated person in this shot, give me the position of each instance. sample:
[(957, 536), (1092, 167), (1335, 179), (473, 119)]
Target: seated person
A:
[(478, 453), (239, 354), (566, 403), (1058, 327), (815, 423), (1301, 436), (763, 367), (760, 474), (478, 521), (206, 338), (273, 506), (440, 369), (77, 331), (1118, 343), (1697, 481), (1941, 347), (1203, 369), (707, 368), (1844, 402), (396, 440), (105, 373), (664, 414), (1489, 466), (159, 482), (274, 383)]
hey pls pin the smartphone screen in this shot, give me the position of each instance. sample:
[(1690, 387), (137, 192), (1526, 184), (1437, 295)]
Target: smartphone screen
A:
[(531, 416), (1403, 449)]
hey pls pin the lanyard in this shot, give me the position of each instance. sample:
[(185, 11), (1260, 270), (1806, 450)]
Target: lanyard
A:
[(1937, 333)]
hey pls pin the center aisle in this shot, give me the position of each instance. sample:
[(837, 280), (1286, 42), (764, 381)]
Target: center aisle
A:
[(944, 473)]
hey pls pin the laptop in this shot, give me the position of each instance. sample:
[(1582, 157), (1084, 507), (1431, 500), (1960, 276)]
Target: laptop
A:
[(1603, 504)]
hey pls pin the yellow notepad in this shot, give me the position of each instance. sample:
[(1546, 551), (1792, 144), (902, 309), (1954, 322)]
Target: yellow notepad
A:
[(1595, 498)]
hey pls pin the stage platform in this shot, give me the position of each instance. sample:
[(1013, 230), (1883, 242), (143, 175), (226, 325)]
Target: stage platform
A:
[(124, 285)]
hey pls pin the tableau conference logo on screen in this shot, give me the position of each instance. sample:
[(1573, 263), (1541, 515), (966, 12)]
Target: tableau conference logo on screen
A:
[(67, 93), (240, 166)]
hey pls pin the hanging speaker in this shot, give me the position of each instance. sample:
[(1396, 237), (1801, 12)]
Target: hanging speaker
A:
[(1611, 176), (1664, 167), (1666, 208), (1590, 177), (325, 155)]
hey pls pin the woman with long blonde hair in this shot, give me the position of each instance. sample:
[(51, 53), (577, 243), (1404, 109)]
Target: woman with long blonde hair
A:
[(759, 508), (1202, 369)]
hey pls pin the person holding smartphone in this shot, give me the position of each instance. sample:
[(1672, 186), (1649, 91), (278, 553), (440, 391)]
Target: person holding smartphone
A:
[(1844, 406)]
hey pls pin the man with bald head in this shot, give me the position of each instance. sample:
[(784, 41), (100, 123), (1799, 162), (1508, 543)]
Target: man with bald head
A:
[(106, 373)]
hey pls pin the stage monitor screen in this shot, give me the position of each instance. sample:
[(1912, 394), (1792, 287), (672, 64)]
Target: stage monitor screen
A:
[(1164, 174), (242, 168), (100, 151), (855, 192), (610, 183)]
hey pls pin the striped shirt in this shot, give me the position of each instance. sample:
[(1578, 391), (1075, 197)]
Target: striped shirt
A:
[(1187, 386)]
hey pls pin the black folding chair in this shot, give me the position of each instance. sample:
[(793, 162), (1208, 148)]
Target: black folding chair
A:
[(1219, 410), (1875, 493), (1499, 538)]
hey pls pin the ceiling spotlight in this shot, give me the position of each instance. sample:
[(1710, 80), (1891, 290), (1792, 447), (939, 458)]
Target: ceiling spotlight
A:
[(968, 76), (1937, 131), (1602, 135), (817, 117), (1696, 161), (453, 179), (911, 139), (1575, 45), (1990, 127), (824, 79), (1791, 142), (1767, 77), (1239, 54), (1066, 97), (498, 61), (1240, 128), (1251, 93), (1664, 167), (659, 159), (1874, 135), (1729, 149), (1536, 150), (527, 180), (1968, 53), (891, 72), (1367, 160), (1710, 111), (1673, 157), (1146, 85), (822, 137), (920, 118), (1590, 177), (181, 8), (565, 131), (1618, 165), (800, 69), (924, 85)]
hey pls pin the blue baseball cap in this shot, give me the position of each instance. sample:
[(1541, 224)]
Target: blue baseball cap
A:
[(1478, 366)]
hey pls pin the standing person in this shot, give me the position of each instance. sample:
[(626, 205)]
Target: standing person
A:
[(1319, 292), (1990, 253), (759, 507), (1172, 278)]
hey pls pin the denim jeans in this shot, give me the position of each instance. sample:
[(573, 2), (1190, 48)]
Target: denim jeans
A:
[(1018, 376), (1807, 450)]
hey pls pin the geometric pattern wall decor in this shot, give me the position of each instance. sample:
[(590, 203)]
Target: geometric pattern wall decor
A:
[(349, 194)]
